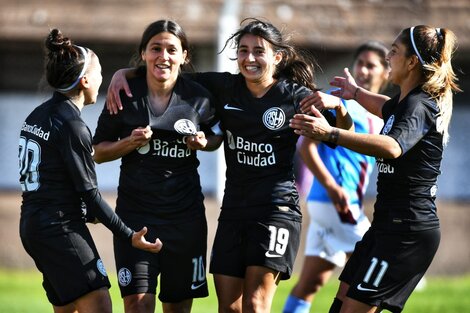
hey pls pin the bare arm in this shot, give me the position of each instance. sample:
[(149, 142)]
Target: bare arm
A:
[(316, 127), (309, 154), (324, 101), (343, 119), (111, 150), (348, 89), (118, 83)]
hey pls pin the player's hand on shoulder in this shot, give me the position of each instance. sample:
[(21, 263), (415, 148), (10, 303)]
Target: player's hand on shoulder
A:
[(118, 83), (139, 241)]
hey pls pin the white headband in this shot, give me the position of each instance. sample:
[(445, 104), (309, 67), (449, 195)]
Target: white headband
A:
[(82, 73), (414, 46)]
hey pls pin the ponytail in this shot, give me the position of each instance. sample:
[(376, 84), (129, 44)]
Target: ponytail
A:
[(435, 48)]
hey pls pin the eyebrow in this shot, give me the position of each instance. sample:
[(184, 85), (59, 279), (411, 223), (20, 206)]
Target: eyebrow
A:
[(255, 47)]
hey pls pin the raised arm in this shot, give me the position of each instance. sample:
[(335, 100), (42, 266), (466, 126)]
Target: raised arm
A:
[(316, 127), (348, 89)]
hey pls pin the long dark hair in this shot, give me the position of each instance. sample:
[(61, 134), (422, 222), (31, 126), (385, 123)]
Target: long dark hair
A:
[(296, 64)]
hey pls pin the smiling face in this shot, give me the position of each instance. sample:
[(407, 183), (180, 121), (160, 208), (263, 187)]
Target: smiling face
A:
[(369, 71), (257, 60), (163, 56)]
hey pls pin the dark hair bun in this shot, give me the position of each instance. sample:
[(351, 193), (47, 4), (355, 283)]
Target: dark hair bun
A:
[(56, 42)]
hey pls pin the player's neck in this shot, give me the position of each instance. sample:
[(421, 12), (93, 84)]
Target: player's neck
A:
[(159, 101), (259, 88), (77, 98)]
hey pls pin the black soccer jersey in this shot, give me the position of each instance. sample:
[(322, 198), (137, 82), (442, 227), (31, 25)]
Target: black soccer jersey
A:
[(259, 144), (55, 156), (159, 181), (56, 165), (407, 185)]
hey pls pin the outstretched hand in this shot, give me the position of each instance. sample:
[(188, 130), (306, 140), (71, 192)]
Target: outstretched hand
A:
[(139, 241), (118, 83), (346, 85)]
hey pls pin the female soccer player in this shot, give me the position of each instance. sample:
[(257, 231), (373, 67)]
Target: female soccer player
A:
[(341, 176), (155, 136), (394, 254), (259, 225), (58, 179)]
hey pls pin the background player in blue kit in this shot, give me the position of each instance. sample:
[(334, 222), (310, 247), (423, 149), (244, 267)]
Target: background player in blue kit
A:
[(396, 251), (155, 136), (58, 178), (259, 225), (341, 176)]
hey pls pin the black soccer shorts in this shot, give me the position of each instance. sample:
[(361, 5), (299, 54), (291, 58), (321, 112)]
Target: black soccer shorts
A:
[(181, 264), (385, 266), (270, 242), (63, 250)]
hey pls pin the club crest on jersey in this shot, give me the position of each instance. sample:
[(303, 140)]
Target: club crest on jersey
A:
[(185, 127), (124, 276), (101, 268), (388, 125), (274, 118)]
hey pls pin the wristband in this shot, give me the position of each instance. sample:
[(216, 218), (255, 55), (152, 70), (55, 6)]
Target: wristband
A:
[(355, 93), (334, 136)]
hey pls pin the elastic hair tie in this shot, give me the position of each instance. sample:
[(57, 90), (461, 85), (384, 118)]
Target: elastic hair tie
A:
[(82, 73), (414, 46)]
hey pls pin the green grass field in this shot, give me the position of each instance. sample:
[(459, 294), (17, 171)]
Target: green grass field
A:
[(21, 292)]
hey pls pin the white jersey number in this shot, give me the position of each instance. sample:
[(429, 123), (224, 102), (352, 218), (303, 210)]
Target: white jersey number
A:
[(380, 274), (29, 159), (278, 240), (199, 272)]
